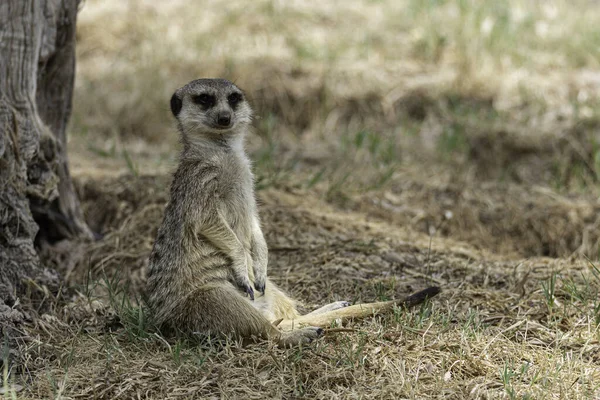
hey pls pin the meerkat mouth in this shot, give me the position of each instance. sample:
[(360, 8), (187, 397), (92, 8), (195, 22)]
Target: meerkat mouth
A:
[(224, 129)]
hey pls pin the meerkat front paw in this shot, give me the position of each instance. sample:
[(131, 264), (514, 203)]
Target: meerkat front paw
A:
[(300, 336), (241, 279), (259, 262), (244, 284), (260, 280)]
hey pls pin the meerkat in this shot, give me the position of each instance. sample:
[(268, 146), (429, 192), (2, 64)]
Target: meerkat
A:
[(207, 271)]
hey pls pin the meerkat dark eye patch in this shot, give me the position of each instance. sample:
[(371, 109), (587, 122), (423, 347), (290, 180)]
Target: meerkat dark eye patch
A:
[(234, 98), (175, 104), (204, 99)]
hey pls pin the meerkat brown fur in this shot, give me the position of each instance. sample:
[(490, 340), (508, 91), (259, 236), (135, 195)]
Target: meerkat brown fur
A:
[(208, 269)]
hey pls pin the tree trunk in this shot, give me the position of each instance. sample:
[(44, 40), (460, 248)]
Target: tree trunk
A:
[(37, 200)]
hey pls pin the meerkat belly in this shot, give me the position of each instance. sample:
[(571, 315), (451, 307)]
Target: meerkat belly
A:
[(239, 218), (265, 305), (239, 206), (274, 304)]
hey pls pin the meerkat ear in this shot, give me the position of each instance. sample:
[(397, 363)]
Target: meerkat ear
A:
[(176, 104)]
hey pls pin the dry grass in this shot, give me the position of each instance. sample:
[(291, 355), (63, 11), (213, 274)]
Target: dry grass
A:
[(302, 60), (502, 328), (398, 144)]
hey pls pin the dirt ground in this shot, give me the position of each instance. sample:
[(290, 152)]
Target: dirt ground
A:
[(385, 164)]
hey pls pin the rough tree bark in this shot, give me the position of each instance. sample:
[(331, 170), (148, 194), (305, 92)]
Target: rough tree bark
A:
[(37, 201)]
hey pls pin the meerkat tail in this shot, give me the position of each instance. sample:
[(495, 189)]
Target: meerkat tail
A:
[(357, 311)]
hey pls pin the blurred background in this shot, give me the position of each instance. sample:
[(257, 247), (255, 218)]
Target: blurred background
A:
[(402, 109)]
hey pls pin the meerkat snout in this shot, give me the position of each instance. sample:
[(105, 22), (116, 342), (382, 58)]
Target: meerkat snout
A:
[(224, 119)]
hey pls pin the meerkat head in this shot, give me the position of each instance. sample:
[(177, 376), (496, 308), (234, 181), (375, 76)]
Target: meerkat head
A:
[(211, 107)]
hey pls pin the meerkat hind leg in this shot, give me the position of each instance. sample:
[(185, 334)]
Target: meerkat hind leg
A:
[(277, 304), (325, 318), (221, 309), (330, 307)]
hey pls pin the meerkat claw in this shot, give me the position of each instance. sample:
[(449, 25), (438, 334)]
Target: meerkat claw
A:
[(260, 287), (250, 292)]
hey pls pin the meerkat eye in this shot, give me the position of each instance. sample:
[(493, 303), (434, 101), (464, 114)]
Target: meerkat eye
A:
[(234, 99), (204, 99)]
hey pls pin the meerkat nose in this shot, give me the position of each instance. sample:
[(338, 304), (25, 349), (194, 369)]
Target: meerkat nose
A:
[(224, 119)]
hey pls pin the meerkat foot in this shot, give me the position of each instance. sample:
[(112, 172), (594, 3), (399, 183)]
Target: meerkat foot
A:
[(300, 336), (330, 307)]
